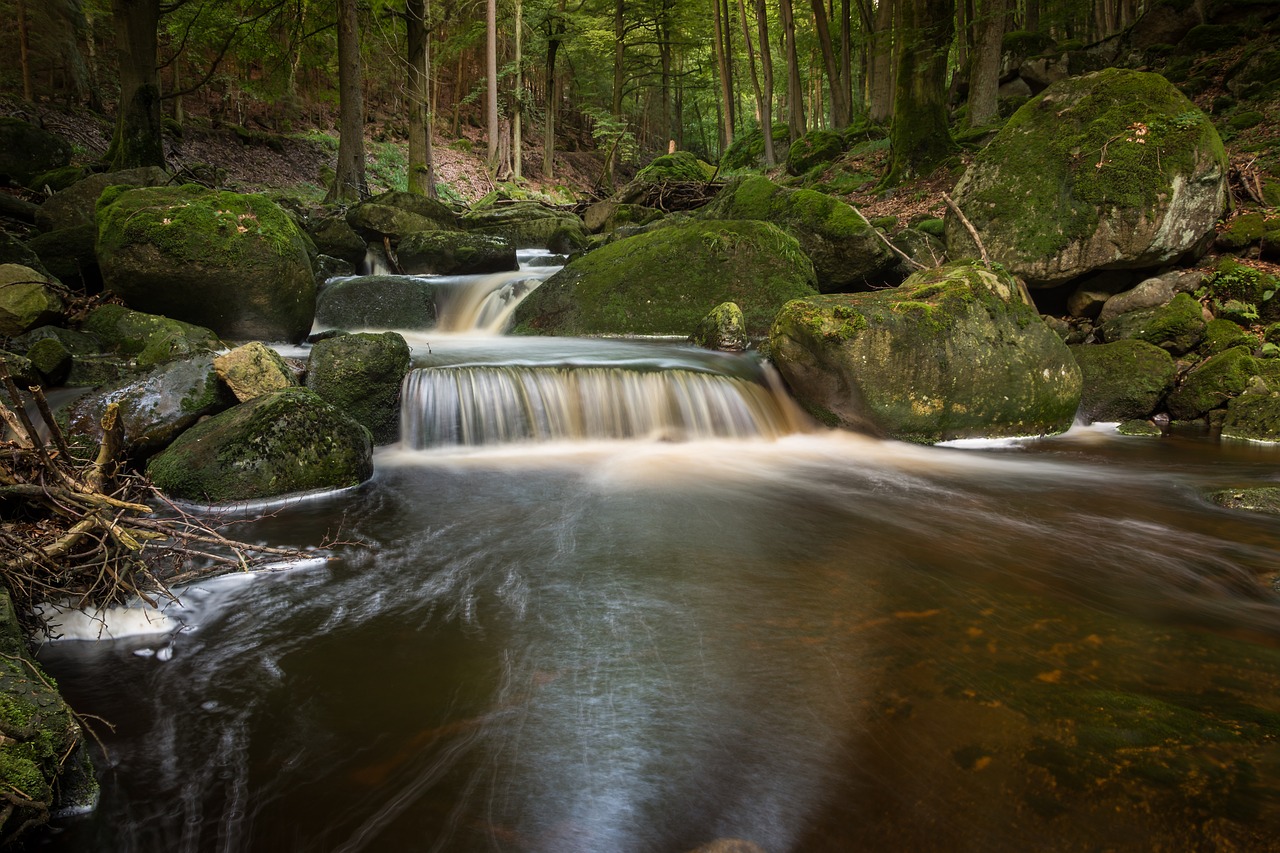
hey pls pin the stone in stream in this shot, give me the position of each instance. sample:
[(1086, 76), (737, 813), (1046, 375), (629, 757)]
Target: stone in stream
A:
[(252, 370), (377, 302), (361, 375), (1125, 380)]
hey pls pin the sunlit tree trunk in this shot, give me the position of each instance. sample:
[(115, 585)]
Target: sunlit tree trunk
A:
[(491, 84), (920, 137), (726, 85), (349, 183), (138, 139), (762, 109), (795, 90), (766, 72), (984, 67), (880, 66), (839, 97)]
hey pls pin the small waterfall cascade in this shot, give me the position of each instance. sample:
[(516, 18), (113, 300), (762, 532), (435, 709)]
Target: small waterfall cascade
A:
[(500, 404), (482, 304)]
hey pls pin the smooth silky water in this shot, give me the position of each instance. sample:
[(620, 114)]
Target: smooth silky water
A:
[(724, 625)]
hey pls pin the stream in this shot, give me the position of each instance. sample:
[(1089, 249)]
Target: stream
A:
[(619, 596)]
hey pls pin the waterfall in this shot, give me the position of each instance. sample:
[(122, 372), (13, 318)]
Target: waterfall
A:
[(467, 406), (484, 303)]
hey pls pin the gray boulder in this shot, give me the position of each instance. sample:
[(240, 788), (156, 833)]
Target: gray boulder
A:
[(280, 443), (361, 375), (377, 302), (453, 253), (1111, 170), (77, 204), (954, 352)]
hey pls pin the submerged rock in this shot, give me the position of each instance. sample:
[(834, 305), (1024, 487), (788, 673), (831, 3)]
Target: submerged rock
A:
[(954, 352), (664, 281), (283, 442), (1111, 170), (1262, 499), (361, 375), (234, 263)]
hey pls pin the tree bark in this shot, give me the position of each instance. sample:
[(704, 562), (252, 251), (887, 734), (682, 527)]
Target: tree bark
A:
[(795, 91), (762, 109), (920, 138), (349, 183), (138, 139), (555, 33), (984, 66), (517, 102), (421, 165), (766, 72), (880, 68), (839, 97), (491, 84), (24, 58), (722, 71)]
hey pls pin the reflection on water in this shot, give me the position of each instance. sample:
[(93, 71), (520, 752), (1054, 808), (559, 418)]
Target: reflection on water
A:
[(821, 642)]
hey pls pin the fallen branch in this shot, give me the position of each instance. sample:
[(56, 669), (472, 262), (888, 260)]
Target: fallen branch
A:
[(883, 239), (968, 226)]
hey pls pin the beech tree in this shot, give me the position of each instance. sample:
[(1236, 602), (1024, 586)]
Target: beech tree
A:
[(421, 177), (349, 183), (920, 137), (138, 139)]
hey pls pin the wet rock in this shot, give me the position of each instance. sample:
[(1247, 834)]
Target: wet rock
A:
[(1254, 415), (724, 328), (333, 236), (27, 300), (526, 224), (1125, 380), (148, 339), (1214, 382), (361, 375), (252, 370), (1177, 327), (452, 253), (1263, 499), (377, 302)]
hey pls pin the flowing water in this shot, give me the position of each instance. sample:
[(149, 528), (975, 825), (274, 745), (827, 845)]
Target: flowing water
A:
[(617, 598)]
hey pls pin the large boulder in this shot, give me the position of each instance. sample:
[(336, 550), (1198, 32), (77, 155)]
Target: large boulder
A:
[(1216, 381), (361, 375), (147, 339), (844, 248), (27, 300), (527, 224), (78, 203), (1112, 170), (234, 263), (27, 151), (283, 442), (70, 255), (377, 302), (1254, 416), (155, 408), (1122, 381), (393, 215), (665, 281), (334, 237), (954, 352), (453, 253), (1177, 327)]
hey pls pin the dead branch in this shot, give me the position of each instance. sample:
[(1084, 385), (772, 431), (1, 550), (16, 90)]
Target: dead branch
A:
[(968, 226), (883, 239)]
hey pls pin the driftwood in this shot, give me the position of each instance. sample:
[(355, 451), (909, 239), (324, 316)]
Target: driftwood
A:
[(77, 525)]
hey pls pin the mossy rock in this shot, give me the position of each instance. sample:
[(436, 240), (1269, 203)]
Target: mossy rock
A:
[(70, 255), (154, 408), (252, 370), (14, 251), (1139, 427), (56, 180), (236, 264), (747, 149), (680, 166), (664, 281), (724, 328), (1177, 327), (1264, 499), (27, 300), (1125, 380), (609, 215), (277, 444), (77, 204), (1253, 417), (375, 222), (528, 225), (1221, 335), (845, 251), (51, 360), (377, 302), (1112, 170), (455, 253), (1256, 76), (813, 149), (333, 236), (361, 374), (1208, 38), (1241, 232), (1245, 120), (1232, 280), (1214, 382), (20, 368), (954, 352), (27, 151), (44, 766), (147, 338)]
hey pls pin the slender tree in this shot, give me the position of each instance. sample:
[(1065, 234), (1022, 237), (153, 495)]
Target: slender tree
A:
[(491, 81), (766, 72), (984, 64), (795, 89), (349, 182), (839, 90), (421, 156)]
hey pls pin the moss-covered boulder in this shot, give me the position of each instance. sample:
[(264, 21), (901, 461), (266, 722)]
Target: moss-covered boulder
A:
[(1253, 416), (334, 237), (78, 204), (1232, 281), (455, 253), (236, 264), (1112, 170), (44, 767), (1122, 381), (154, 408), (527, 224), (724, 328), (954, 352), (51, 361), (609, 215), (27, 151), (815, 148), (14, 251), (1264, 499), (252, 370), (27, 300), (1151, 293), (665, 281), (846, 253), (377, 302), (70, 255), (147, 339), (277, 444), (680, 166), (361, 375), (1213, 383), (393, 215), (1177, 327), (747, 150)]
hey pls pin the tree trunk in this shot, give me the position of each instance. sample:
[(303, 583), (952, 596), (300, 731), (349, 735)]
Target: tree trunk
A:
[(726, 86), (555, 32), (880, 67), (795, 91), (762, 109), (919, 137), (24, 57), (138, 139), (491, 82), (839, 99), (349, 183), (984, 67), (619, 54), (421, 167), (766, 71)]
